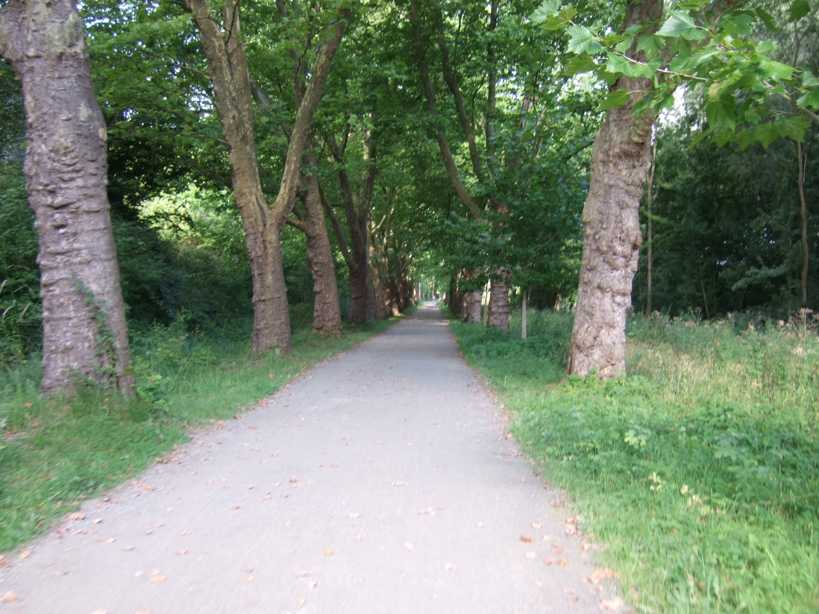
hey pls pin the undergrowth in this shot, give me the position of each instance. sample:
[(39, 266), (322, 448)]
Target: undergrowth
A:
[(56, 452), (699, 471)]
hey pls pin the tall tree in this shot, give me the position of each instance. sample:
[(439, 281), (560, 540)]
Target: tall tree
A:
[(611, 220), (263, 222), (84, 329)]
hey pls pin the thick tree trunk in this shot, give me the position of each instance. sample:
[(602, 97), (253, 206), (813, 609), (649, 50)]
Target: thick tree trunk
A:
[(611, 226), (359, 290), (84, 329), (326, 312), (472, 306), (499, 300)]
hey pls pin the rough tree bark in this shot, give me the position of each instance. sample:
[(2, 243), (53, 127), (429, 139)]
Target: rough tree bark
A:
[(84, 329), (472, 306), (263, 223), (326, 311), (499, 299), (611, 224), (802, 160)]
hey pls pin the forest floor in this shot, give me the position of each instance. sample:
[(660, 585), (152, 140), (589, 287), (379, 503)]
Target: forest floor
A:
[(383, 480)]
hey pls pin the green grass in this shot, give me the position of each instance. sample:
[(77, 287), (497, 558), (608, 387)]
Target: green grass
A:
[(699, 472), (55, 453)]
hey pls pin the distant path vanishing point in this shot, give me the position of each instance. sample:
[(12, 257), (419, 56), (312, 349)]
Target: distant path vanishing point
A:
[(380, 482)]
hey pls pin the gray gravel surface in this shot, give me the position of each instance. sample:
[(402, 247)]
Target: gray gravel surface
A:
[(382, 481)]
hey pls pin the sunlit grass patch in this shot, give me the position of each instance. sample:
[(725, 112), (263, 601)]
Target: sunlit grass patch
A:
[(699, 471)]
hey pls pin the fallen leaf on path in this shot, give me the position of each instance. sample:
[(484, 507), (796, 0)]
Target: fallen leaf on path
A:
[(399, 483), (97, 520), (614, 604), (300, 603), (110, 540), (526, 539), (76, 516), (329, 552), (354, 515), (3, 561), (8, 597), (250, 578), (24, 554), (182, 552), (158, 578), (598, 575), (556, 562), (128, 548), (537, 525)]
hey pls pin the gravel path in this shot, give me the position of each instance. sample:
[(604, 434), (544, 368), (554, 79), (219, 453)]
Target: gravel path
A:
[(380, 482)]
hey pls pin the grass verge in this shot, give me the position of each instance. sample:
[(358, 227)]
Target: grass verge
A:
[(699, 472), (55, 453)]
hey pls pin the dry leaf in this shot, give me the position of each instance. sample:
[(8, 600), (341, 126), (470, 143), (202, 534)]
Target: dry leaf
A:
[(598, 575), (3, 561), (76, 516), (614, 604), (24, 554), (97, 520), (526, 539), (329, 552), (158, 578), (8, 597), (110, 540), (537, 525)]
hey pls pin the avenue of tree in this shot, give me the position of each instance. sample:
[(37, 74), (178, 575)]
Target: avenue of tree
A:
[(212, 159)]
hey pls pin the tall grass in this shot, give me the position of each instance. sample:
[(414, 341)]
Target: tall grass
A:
[(56, 452), (699, 471)]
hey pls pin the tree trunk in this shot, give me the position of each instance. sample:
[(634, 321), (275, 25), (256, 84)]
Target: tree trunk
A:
[(611, 226), (499, 300), (228, 70), (524, 315), (84, 329), (650, 228), (802, 160), (326, 311), (359, 290), (472, 306)]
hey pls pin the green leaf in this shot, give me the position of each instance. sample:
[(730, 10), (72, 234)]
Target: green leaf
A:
[(799, 8), (649, 45), (809, 79), (777, 70), (677, 26), (578, 64), (615, 100), (549, 8), (583, 40), (809, 100), (619, 64)]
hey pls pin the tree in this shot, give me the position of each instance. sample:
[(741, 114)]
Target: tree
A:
[(84, 329), (263, 222)]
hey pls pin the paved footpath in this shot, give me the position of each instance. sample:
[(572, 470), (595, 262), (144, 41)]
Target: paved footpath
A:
[(380, 482)]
